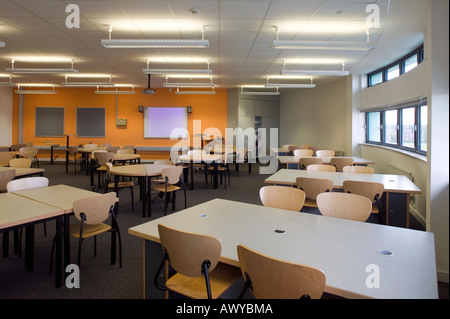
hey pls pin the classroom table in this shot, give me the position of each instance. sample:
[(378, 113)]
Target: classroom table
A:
[(62, 197), (25, 171), (397, 189), (17, 211), (346, 251), (287, 160), (144, 172), (213, 159)]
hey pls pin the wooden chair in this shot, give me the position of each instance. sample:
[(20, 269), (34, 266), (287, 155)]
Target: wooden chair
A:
[(125, 151), (113, 149), (17, 147), (344, 205), (304, 162), (288, 198), (20, 163), (292, 148), (372, 191), (5, 157), (102, 158), (120, 185), (223, 168), (31, 153), (5, 177), (325, 153), (164, 162), (90, 146), (358, 169), (74, 157), (321, 168), (312, 188), (92, 212), (195, 258), (271, 278), (173, 177), (303, 152), (341, 162)]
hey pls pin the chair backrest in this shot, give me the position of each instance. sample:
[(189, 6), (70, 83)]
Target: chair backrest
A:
[(196, 152), (187, 251), (173, 174), (17, 147), (104, 157), (73, 150), (113, 149), (29, 152), (128, 147), (27, 183), (370, 190), (125, 151), (321, 168), (288, 198), (344, 205), (272, 278), (341, 162), (109, 166), (164, 162), (325, 153), (95, 208), (5, 177), (20, 163), (306, 161), (314, 186), (292, 148), (358, 169), (5, 157), (105, 145), (303, 152), (90, 145)]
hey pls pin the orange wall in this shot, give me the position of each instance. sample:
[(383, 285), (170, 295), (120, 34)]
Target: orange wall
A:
[(210, 109)]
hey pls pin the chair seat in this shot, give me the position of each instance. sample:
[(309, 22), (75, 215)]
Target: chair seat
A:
[(310, 203), (194, 287), (121, 184), (88, 229), (162, 188)]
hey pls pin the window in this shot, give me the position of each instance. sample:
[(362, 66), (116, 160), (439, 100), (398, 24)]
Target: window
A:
[(399, 127), (396, 69)]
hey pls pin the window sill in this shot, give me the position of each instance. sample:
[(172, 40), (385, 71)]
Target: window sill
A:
[(410, 154)]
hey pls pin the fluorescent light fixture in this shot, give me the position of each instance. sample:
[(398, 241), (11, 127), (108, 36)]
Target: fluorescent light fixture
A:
[(2, 44), (114, 92), (242, 92), (6, 83), (15, 70), (155, 44), (22, 91), (195, 92), (87, 84), (296, 86), (315, 72), (188, 85), (323, 45), (176, 71)]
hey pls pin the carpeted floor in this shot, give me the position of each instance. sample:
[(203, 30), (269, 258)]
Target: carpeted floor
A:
[(99, 279)]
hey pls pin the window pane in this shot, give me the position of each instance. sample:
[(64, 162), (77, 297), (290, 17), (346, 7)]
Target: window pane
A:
[(393, 72), (391, 127), (410, 63), (423, 128), (376, 78), (408, 123), (373, 126)]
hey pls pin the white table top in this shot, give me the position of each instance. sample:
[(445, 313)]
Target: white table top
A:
[(24, 171), (17, 210), (61, 196), (341, 248), (196, 158), (392, 183), (325, 159), (139, 170)]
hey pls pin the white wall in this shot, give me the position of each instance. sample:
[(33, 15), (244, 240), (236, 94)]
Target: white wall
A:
[(6, 116), (315, 116)]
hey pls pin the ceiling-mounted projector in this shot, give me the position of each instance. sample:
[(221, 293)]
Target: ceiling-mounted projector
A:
[(148, 90)]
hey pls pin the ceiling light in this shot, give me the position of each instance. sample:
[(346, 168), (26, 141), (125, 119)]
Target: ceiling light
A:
[(314, 72), (195, 92), (154, 43), (323, 45), (88, 84), (39, 70), (176, 71), (242, 92), (187, 85), (114, 92), (285, 85), (21, 91), (2, 44), (6, 83)]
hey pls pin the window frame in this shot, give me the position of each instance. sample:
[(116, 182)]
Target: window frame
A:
[(417, 127), (401, 62)]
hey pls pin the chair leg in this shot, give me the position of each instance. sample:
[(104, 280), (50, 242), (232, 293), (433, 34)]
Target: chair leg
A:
[(132, 199)]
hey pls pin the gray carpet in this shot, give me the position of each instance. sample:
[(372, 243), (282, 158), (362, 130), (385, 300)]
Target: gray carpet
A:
[(99, 279)]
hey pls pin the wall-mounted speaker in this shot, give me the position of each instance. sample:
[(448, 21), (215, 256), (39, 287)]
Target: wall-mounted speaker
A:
[(141, 109), (189, 109)]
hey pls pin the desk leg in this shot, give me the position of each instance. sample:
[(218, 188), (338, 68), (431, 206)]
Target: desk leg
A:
[(51, 154), (192, 175), (216, 182), (149, 197), (66, 236), (114, 236), (153, 255), (145, 198), (67, 161), (58, 253), (29, 248)]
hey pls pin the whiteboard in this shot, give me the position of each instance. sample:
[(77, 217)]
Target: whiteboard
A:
[(164, 122)]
